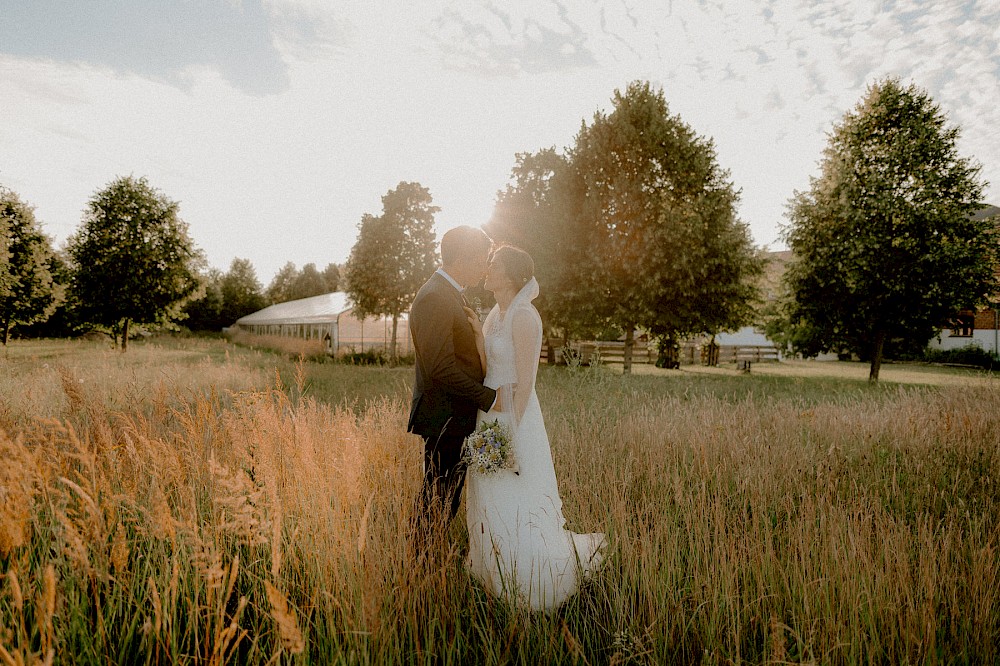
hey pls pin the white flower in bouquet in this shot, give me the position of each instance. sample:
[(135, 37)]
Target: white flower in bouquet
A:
[(489, 448)]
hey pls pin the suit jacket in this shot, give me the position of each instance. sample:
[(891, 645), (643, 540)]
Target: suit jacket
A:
[(448, 389)]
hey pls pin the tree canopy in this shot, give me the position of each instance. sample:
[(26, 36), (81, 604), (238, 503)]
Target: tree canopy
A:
[(6, 278), (29, 292), (528, 215), (636, 225), (241, 291), (290, 283), (133, 260), (204, 310), (394, 254), (886, 243)]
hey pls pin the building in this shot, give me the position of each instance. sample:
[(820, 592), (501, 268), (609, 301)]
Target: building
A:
[(980, 328), (753, 336), (330, 318)]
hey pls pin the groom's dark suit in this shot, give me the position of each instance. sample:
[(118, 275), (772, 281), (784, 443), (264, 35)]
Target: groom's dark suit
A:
[(448, 389)]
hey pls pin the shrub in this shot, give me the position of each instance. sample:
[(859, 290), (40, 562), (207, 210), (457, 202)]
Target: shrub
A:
[(311, 350), (968, 355), (376, 356)]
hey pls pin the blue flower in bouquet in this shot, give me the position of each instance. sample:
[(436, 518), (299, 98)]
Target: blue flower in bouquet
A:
[(489, 448)]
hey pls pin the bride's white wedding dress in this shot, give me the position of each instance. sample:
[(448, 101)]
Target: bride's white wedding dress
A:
[(518, 544)]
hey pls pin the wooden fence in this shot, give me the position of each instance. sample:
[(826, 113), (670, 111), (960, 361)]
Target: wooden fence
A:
[(689, 354)]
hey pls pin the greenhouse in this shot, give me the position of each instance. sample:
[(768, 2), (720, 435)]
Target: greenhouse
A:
[(330, 318)]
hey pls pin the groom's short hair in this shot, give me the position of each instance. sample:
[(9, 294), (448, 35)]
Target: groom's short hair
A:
[(462, 242)]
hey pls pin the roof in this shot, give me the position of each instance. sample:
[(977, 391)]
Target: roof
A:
[(325, 308), (986, 211)]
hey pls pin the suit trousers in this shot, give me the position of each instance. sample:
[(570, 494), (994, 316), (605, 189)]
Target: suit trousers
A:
[(444, 477)]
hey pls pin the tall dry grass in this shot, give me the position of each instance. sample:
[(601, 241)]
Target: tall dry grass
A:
[(282, 344), (258, 525)]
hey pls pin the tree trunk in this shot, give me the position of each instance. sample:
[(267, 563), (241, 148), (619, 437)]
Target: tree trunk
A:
[(629, 344), (713, 352), (125, 336), (667, 355), (550, 353), (6, 332), (392, 344), (876, 357)]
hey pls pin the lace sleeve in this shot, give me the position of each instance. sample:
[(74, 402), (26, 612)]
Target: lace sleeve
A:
[(526, 328)]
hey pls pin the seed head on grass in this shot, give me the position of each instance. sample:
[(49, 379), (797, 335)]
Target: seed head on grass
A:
[(284, 616)]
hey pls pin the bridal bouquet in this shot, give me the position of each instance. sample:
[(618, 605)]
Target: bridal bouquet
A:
[(489, 448)]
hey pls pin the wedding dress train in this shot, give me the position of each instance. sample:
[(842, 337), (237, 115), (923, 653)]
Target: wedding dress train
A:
[(518, 544)]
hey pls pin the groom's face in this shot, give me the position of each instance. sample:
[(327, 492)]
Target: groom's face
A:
[(471, 269), (481, 263)]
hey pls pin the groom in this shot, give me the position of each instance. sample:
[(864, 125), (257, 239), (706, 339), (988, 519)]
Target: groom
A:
[(448, 389)]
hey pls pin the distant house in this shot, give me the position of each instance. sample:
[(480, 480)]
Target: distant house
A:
[(774, 268), (330, 318), (974, 327), (981, 328)]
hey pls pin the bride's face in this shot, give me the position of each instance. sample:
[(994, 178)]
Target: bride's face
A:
[(496, 277)]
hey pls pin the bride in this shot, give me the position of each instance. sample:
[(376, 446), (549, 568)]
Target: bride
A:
[(518, 545)]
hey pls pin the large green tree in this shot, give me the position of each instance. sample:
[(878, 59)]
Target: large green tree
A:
[(529, 213), (331, 275), (133, 259), (204, 310), (290, 283), (28, 291), (658, 244), (394, 254), (6, 279), (281, 287), (310, 282), (241, 291), (886, 244)]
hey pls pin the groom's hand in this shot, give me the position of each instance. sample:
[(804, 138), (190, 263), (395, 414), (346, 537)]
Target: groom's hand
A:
[(505, 398)]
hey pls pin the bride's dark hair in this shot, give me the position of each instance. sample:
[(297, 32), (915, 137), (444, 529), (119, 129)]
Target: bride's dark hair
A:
[(517, 264)]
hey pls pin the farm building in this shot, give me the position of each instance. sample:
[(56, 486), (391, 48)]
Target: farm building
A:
[(328, 317), (980, 328)]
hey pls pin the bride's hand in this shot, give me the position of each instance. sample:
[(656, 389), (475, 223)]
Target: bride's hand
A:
[(477, 326)]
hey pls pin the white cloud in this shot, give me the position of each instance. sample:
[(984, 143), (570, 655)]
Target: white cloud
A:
[(446, 93)]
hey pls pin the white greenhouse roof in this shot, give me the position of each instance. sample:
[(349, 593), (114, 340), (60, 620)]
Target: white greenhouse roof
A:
[(325, 308)]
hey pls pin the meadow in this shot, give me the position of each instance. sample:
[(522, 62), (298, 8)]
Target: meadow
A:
[(194, 501)]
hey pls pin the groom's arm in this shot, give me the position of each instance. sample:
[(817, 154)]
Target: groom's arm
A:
[(431, 324)]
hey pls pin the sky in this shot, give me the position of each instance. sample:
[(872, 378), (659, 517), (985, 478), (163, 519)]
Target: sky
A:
[(276, 124)]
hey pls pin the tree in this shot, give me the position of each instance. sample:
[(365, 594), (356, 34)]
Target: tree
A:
[(204, 310), (6, 278), (528, 214), (331, 275), (393, 256), (133, 258), (28, 291), (886, 242), (62, 322), (309, 282), (282, 285), (659, 245), (241, 291), (290, 283)]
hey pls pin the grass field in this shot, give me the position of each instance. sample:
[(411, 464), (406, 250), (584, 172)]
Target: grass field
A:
[(197, 502)]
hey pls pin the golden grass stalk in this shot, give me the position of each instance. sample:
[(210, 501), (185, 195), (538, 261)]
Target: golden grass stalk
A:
[(744, 526), (288, 628)]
